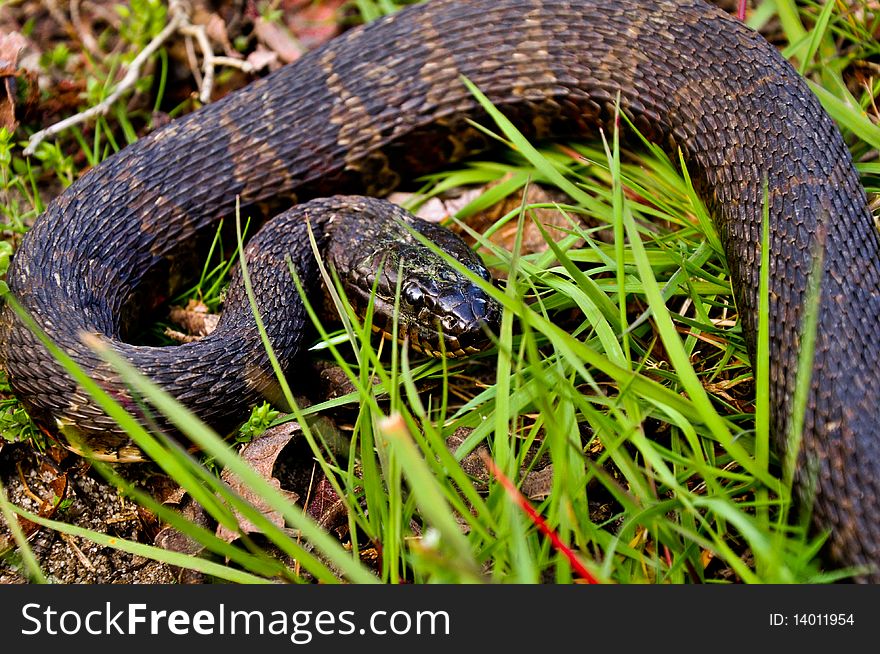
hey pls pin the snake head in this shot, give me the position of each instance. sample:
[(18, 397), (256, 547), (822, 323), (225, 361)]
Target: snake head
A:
[(441, 310)]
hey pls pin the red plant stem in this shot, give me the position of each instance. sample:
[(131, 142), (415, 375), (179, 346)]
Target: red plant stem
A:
[(539, 521)]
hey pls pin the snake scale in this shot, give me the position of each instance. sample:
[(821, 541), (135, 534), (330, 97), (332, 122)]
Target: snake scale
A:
[(386, 101)]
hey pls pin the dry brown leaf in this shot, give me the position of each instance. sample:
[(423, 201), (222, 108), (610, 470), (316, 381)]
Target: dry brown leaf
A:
[(555, 224), (316, 22), (11, 46), (438, 209), (175, 496), (215, 30), (173, 540), (279, 40), (262, 58), (326, 507), (261, 454), (195, 318), (537, 485), (324, 497), (48, 507), (57, 454)]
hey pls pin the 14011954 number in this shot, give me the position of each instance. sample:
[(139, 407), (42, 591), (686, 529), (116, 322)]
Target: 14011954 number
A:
[(823, 619)]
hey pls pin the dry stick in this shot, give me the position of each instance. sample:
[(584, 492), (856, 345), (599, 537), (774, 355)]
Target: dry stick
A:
[(55, 12), (131, 77), (209, 59), (85, 33), (193, 61), (179, 23)]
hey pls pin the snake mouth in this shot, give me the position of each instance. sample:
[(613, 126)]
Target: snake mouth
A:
[(428, 348), (458, 325)]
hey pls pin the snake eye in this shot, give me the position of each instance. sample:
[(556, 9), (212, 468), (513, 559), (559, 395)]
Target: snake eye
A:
[(413, 295)]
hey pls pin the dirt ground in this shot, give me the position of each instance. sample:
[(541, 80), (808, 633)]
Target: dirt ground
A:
[(31, 479)]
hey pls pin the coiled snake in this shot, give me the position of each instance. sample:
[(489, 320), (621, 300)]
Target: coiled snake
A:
[(387, 100)]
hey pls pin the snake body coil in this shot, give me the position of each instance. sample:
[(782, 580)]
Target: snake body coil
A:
[(387, 100)]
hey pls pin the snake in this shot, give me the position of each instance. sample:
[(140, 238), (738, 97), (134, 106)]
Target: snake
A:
[(386, 102)]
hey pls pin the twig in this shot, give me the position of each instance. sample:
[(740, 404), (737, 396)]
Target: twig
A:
[(83, 559), (55, 12), (193, 61), (85, 34), (27, 489), (209, 60), (179, 23), (131, 77)]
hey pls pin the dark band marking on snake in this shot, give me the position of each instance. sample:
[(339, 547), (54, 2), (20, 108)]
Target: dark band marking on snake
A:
[(386, 102)]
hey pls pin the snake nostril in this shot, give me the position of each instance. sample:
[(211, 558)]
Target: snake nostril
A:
[(449, 324)]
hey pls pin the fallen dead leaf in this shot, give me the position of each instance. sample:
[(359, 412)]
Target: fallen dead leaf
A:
[(536, 485), (438, 209), (316, 22), (215, 30), (278, 39), (553, 222), (11, 46), (261, 454), (262, 57), (326, 507), (173, 540), (196, 320), (48, 507)]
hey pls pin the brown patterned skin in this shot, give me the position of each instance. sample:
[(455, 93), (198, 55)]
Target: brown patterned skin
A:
[(386, 101)]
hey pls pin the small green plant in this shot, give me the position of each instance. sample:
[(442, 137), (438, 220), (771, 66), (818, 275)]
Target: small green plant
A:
[(57, 57), (15, 424), (20, 200), (270, 13), (141, 20), (53, 157), (261, 419)]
